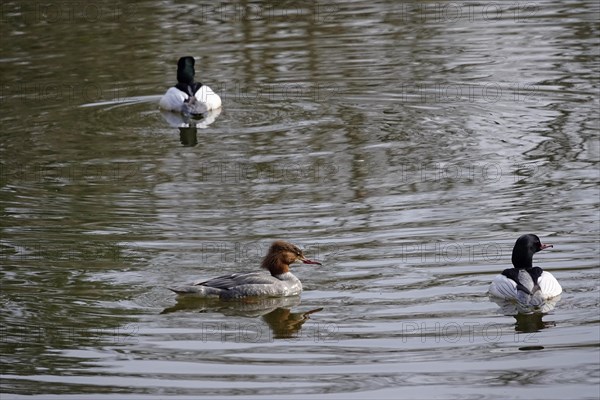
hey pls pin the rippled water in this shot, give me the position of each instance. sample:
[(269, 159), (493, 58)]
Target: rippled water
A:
[(405, 145)]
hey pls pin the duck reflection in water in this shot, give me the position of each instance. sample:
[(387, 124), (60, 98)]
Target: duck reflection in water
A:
[(511, 307), (200, 121), (188, 125), (528, 319), (276, 312), (284, 323), (188, 136), (530, 323)]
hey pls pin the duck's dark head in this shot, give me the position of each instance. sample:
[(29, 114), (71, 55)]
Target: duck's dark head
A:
[(185, 70), (525, 247)]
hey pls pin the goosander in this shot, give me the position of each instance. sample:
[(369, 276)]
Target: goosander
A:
[(280, 283), (525, 284), (188, 96)]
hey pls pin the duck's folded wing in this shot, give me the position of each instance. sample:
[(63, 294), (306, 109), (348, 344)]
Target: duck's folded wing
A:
[(503, 287), (549, 286), (227, 282)]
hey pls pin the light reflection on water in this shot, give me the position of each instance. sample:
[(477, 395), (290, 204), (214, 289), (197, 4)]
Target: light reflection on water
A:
[(404, 145)]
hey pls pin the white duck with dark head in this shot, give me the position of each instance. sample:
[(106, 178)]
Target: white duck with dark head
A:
[(526, 284), (188, 96)]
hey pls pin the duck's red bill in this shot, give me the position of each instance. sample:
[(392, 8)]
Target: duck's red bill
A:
[(307, 261), (545, 246)]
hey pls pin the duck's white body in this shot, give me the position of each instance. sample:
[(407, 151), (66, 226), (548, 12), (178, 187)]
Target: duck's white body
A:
[(525, 285), (546, 288), (252, 284), (174, 99)]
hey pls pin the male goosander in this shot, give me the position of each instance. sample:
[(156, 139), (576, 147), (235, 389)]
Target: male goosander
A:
[(280, 283), (525, 284), (188, 96)]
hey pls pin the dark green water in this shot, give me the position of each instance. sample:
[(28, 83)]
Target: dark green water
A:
[(405, 145)]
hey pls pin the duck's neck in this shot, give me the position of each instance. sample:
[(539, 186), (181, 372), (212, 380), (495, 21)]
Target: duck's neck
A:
[(523, 264), (189, 88), (522, 258), (275, 265)]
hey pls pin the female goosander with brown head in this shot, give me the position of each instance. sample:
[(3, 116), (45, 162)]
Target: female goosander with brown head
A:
[(280, 283), (188, 96), (526, 284)]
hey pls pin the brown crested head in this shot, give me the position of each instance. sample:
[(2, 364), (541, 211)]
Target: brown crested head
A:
[(280, 255)]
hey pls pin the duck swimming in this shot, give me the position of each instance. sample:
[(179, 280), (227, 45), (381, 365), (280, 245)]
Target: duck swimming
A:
[(188, 96), (280, 283), (526, 284)]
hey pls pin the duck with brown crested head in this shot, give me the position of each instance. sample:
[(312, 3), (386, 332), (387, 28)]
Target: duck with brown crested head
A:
[(280, 283)]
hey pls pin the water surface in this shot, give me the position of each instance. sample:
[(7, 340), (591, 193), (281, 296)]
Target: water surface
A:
[(405, 145)]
